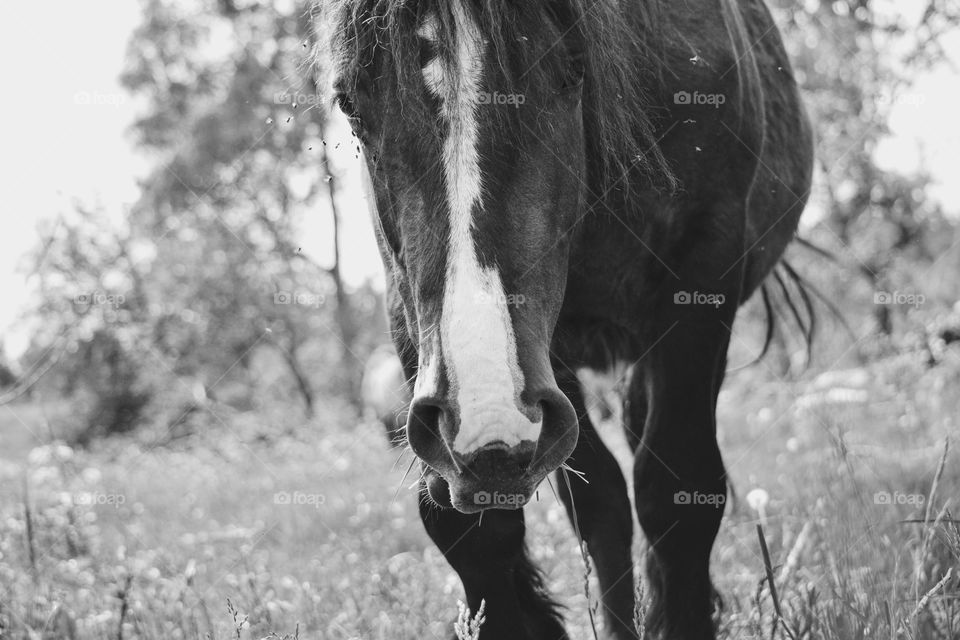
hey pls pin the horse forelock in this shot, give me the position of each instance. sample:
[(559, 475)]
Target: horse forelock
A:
[(530, 54)]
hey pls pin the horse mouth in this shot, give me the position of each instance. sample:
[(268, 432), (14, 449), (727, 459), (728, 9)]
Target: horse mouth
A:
[(437, 488), (471, 491)]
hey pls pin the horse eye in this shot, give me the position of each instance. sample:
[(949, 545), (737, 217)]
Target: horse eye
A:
[(573, 80), (349, 109), (575, 71)]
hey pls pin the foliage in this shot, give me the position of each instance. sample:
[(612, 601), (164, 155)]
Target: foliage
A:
[(206, 276), (217, 292), (856, 60)]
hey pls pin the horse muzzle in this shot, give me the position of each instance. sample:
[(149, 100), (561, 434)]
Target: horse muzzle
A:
[(503, 460)]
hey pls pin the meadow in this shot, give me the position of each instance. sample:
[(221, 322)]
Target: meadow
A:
[(244, 530), (161, 479)]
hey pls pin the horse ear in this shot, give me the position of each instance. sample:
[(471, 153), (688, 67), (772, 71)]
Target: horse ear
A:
[(568, 19)]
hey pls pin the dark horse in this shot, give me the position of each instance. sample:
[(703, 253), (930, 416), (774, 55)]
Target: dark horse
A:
[(563, 184)]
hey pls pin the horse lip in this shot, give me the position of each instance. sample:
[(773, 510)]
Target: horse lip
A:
[(444, 467)]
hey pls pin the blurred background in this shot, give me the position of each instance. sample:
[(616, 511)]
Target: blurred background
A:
[(192, 293)]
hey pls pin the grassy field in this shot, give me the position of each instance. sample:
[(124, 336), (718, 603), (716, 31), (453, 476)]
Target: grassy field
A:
[(242, 531)]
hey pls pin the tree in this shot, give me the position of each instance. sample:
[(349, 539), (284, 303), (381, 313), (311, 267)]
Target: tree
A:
[(855, 59), (244, 161)]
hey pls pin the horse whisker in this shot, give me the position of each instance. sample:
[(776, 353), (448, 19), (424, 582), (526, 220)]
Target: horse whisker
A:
[(580, 474), (397, 461), (405, 474)]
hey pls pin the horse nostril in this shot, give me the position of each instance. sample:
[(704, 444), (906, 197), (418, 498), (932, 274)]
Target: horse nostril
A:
[(560, 428), (557, 411), (423, 429)]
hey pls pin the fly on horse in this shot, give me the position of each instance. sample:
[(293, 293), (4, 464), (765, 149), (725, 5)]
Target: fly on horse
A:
[(561, 184)]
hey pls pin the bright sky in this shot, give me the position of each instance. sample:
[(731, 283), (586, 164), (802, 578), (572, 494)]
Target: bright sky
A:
[(54, 57), (66, 138), (66, 121)]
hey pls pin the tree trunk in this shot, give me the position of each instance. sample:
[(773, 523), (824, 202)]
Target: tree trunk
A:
[(349, 362), (303, 383)]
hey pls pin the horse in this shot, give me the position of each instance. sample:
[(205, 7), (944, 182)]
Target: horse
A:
[(565, 184)]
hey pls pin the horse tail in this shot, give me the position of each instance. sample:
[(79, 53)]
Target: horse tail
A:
[(795, 306), (798, 299)]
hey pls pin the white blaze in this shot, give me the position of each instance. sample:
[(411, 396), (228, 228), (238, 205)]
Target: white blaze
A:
[(479, 347)]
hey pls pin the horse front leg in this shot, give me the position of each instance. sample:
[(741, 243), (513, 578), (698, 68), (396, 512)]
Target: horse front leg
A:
[(487, 551), (679, 476)]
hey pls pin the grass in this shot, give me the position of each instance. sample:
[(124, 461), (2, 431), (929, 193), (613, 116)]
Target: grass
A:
[(245, 532)]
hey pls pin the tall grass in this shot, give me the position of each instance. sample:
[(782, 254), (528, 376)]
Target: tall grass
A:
[(304, 534)]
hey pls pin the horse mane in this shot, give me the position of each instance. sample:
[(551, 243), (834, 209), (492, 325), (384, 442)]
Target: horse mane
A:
[(617, 46)]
